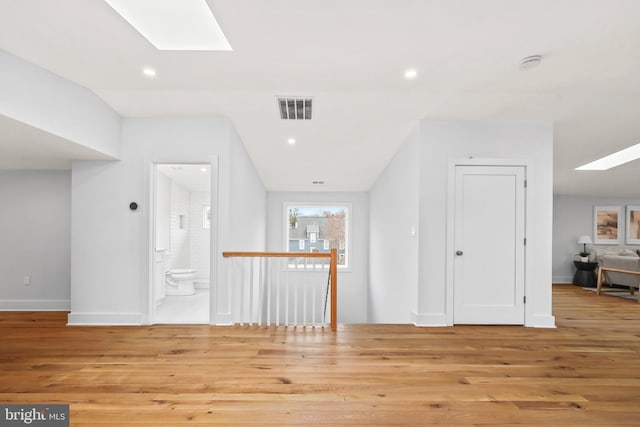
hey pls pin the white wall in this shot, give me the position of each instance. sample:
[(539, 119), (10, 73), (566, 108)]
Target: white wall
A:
[(352, 283), (247, 201), (242, 215), (110, 244), (442, 141), (35, 228), (572, 218), (393, 249), (46, 101)]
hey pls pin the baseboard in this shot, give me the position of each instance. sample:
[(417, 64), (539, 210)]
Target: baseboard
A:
[(104, 319), (424, 320), (34, 305), (431, 320), (222, 319), (562, 279), (541, 321)]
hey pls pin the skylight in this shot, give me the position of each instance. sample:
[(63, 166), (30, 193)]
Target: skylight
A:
[(613, 160), (173, 24)]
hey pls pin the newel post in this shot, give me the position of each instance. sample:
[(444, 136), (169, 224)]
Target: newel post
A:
[(333, 270)]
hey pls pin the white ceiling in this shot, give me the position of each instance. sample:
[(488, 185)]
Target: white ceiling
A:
[(351, 56), (189, 176)]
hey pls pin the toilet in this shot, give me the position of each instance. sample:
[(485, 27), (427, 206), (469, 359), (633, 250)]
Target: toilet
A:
[(180, 281)]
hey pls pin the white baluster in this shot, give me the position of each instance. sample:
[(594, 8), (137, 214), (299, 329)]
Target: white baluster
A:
[(295, 292), (313, 295), (304, 290), (286, 301), (278, 269)]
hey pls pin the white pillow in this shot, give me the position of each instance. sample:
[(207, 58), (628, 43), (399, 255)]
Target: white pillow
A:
[(607, 251), (628, 252)]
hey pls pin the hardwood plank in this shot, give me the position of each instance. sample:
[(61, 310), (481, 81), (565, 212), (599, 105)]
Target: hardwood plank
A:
[(586, 372)]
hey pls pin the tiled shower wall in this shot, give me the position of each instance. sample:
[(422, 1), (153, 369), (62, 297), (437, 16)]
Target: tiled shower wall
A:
[(180, 246), (200, 236)]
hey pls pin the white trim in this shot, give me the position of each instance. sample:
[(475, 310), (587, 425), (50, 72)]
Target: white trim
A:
[(215, 256), (148, 291), (34, 305), (562, 279), (429, 319), (529, 214), (541, 321), (105, 319)]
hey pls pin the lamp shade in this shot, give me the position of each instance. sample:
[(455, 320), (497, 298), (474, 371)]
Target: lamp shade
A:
[(584, 240)]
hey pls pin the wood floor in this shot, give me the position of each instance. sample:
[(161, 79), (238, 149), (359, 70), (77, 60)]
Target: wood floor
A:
[(584, 373)]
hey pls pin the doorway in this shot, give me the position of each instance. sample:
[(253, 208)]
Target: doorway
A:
[(489, 245), (181, 243)]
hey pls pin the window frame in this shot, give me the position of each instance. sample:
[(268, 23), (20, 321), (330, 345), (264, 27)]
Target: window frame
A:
[(348, 208)]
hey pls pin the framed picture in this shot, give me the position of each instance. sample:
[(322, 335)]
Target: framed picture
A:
[(606, 225), (633, 225)]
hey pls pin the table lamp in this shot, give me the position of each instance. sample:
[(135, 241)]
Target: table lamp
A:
[(584, 240)]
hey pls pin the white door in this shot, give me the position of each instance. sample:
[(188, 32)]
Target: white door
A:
[(489, 232)]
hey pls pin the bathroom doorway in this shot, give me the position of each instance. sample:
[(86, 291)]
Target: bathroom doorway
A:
[(181, 242)]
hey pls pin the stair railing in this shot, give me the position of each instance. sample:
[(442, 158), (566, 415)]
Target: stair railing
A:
[(280, 292)]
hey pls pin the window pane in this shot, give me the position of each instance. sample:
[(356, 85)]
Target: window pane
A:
[(318, 229)]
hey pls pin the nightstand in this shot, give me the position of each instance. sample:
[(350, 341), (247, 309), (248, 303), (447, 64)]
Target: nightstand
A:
[(585, 275)]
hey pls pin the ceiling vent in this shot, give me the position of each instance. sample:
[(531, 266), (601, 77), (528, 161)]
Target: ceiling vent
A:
[(298, 108)]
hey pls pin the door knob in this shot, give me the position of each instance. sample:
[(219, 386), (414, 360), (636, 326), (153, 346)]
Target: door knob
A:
[(459, 253)]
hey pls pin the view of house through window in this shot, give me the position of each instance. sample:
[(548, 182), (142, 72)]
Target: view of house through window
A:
[(318, 229)]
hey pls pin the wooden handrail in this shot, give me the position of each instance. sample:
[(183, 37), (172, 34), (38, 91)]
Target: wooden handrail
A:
[(333, 271), (277, 254)]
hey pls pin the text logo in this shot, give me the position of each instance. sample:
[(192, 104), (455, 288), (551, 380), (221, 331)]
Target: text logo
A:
[(34, 415)]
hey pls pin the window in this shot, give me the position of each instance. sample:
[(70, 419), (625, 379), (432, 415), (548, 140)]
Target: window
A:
[(307, 225)]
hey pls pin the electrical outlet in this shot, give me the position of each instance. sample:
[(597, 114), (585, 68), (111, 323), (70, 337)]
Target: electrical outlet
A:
[(26, 281)]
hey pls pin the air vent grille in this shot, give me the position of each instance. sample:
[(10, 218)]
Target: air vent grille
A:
[(295, 108)]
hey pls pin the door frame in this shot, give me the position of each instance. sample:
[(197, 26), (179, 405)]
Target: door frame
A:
[(450, 227), (148, 290)]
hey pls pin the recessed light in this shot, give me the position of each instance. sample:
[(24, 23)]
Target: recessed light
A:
[(410, 74), (203, 169), (291, 141), (149, 72), (173, 24), (612, 160), (530, 62)]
